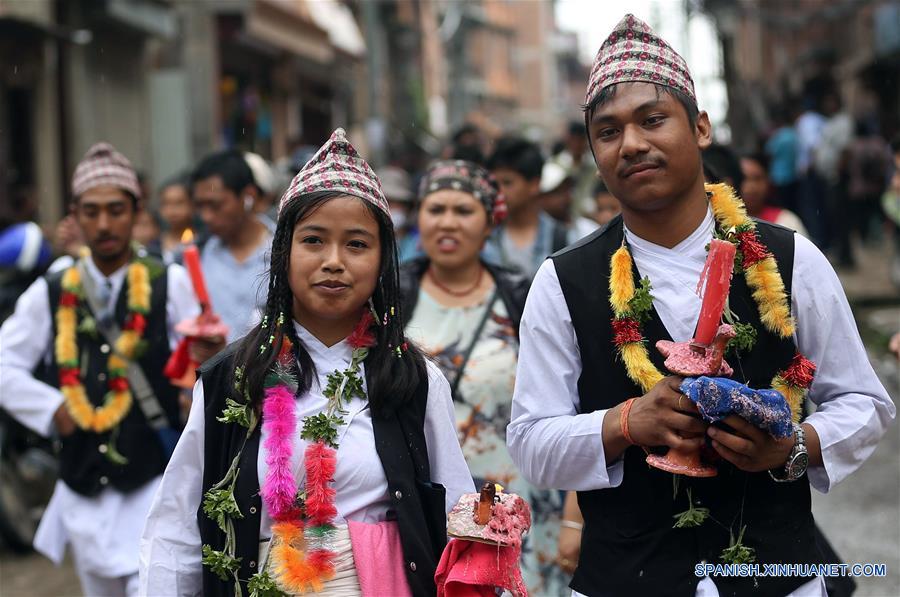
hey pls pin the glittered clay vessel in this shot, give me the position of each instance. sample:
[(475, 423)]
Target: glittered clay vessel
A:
[(180, 369), (690, 359), (491, 517)]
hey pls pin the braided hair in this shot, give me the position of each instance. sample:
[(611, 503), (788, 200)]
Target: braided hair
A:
[(392, 375)]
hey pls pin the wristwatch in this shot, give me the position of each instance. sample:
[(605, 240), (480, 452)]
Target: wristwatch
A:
[(797, 461)]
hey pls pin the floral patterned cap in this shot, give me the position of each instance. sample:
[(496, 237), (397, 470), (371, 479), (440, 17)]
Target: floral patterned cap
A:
[(468, 177), (102, 165), (337, 167), (634, 53)]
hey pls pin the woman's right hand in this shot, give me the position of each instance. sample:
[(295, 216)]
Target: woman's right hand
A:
[(569, 549), (571, 525)]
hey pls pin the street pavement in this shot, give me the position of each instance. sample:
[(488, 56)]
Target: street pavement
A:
[(860, 517)]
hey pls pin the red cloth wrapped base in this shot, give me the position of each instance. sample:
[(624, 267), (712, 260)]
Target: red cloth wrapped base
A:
[(471, 569)]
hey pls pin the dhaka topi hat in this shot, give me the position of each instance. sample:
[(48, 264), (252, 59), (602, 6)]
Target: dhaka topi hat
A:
[(634, 53), (468, 177), (101, 166), (337, 167)]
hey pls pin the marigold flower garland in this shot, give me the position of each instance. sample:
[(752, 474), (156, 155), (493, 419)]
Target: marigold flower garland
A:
[(301, 558), (631, 305), (118, 400)]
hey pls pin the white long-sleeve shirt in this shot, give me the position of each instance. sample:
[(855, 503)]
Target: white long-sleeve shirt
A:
[(171, 546), (556, 446), (103, 530)]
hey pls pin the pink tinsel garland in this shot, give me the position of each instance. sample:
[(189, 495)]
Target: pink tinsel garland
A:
[(279, 490)]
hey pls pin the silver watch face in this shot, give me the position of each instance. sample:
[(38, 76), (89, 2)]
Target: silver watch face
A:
[(798, 465)]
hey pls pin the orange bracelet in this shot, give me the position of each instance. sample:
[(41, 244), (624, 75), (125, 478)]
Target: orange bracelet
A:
[(623, 420)]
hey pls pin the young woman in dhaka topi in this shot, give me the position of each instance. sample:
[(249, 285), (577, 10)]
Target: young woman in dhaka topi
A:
[(320, 454)]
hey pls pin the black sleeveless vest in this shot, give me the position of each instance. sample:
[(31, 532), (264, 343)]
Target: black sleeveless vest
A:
[(628, 545), (417, 503), (83, 466)]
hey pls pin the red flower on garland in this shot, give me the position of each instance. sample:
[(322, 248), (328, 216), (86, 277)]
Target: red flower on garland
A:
[(322, 561), (362, 336), (750, 247), (69, 377), (136, 322), (320, 462), (68, 299), (118, 384), (285, 355), (800, 372), (626, 330)]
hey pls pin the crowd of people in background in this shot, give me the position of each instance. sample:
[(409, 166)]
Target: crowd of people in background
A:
[(472, 230)]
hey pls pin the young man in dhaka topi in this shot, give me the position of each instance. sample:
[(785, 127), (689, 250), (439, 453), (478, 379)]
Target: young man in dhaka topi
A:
[(99, 333), (593, 395)]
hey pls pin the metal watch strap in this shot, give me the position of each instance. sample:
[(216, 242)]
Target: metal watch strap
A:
[(799, 447)]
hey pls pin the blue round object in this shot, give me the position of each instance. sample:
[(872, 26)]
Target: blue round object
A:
[(23, 247)]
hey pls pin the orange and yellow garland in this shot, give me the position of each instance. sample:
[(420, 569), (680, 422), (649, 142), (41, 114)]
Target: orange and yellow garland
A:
[(763, 279), (118, 400)]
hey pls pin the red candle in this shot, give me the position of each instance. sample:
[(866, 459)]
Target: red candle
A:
[(192, 262), (717, 275)]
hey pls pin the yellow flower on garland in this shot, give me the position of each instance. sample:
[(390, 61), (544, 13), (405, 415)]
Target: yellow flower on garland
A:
[(127, 342), (638, 365), (621, 281), (139, 288), (118, 400), (621, 290), (728, 210), (79, 407), (66, 347), (117, 403), (762, 277), (768, 291)]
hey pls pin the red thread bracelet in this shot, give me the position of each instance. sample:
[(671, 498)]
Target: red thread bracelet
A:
[(623, 420)]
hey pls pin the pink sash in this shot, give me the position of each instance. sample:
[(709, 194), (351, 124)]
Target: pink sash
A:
[(378, 556)]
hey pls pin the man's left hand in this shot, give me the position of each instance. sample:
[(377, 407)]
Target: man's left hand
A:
[(749, 448)]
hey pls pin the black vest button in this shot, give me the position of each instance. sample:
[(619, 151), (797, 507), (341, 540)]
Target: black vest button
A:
[(102, 448), (398, 494), (252, 509), (101, 376), (412, 566), (104, 480), (104, 348), (253, 563)]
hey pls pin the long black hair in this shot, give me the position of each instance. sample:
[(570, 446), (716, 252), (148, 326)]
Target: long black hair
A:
[(391, 379)]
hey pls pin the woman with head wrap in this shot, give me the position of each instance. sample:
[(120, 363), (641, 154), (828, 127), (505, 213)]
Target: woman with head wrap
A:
[(465, 314), (320, 445)]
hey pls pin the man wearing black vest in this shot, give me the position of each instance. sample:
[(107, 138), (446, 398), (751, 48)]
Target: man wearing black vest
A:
[(573, 425), (84, 351)]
